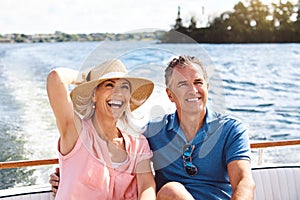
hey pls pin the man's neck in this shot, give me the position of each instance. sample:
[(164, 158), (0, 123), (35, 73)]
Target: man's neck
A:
[(191, 124)]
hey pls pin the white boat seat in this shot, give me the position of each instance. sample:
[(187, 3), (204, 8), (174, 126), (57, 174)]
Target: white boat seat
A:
[(27, 193), (277, 183)]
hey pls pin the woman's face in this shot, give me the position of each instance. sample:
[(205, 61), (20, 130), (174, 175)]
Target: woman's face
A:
[(112, 97)]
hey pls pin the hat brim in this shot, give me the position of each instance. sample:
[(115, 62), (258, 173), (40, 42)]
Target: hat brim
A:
[(141, 89)]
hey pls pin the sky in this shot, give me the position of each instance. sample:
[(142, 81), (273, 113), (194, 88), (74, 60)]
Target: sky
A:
[(103, 16)]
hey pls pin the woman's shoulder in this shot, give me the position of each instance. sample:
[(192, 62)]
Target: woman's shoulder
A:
[(136, 141), (134, 137)]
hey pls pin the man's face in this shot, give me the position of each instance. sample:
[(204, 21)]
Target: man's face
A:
[(188, 90)]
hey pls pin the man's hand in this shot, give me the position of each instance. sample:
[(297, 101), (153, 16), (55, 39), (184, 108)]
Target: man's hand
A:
[(54, 181)]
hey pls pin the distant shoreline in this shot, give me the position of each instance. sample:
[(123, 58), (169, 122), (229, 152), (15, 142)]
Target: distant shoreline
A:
[(65, 37)]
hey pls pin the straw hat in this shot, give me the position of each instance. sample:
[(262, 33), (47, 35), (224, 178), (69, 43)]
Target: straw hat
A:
[(141, 88)]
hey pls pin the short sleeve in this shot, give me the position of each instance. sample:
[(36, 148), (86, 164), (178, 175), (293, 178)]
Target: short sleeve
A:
[(138, 148), (237, 145)]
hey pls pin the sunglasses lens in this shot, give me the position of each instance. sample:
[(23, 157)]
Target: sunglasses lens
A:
[(190, 169), (187, 153)]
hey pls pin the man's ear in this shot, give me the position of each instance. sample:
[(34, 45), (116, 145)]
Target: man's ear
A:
[(170, 95)]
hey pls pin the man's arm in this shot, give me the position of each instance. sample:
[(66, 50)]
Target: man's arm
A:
[(241, 180), (54, 181)]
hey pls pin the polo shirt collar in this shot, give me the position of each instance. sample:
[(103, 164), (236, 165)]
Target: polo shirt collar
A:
[(173, 121)]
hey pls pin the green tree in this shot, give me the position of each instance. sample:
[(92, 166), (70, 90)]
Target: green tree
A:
[(239, 23), (282, 16)]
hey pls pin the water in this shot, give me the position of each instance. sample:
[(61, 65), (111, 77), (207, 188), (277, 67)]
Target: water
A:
[(258, 83)]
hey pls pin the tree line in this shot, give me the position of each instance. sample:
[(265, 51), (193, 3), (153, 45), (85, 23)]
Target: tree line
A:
[(65, 37), (252, 22)]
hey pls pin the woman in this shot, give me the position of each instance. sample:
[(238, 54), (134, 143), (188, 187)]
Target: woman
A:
[(98, 159)]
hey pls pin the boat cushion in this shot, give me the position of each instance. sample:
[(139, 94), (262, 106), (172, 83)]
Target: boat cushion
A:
[(27, 193), (277, 183)]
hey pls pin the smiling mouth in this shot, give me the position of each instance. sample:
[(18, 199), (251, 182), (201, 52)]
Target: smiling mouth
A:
[(115, 104), (193, 99)]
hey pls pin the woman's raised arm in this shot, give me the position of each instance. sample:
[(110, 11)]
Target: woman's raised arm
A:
[(58, 81)]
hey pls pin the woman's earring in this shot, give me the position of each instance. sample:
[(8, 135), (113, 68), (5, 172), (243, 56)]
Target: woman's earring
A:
[(94, 101)]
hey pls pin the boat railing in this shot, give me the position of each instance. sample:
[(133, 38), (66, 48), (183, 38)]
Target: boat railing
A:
[(254, 145), (28, 163), (263, 145)]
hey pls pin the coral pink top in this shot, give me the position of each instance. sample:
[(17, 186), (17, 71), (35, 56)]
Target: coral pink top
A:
[(88, 173)]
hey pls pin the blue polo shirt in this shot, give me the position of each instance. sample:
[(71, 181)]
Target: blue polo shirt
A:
[(221, 140)]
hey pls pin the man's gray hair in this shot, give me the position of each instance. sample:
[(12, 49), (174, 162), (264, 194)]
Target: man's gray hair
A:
[(183, 61)]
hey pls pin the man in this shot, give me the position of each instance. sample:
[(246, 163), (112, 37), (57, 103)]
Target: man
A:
[(197, 153)]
